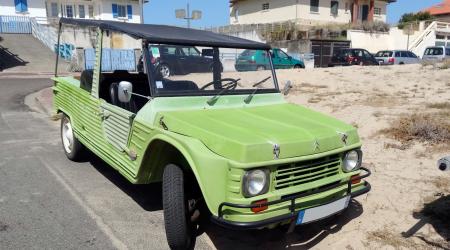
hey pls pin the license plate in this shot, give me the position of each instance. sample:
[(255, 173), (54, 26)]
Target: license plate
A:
[(317, 213)]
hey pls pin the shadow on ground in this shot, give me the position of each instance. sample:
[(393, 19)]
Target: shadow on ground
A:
[(303, 237), (148, 196), (9, 60), (437, 214)]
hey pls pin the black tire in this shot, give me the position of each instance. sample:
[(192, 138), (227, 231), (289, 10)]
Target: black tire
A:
[(165, 70), (260, 68), (179, 228), (298, 66), (76, 151)]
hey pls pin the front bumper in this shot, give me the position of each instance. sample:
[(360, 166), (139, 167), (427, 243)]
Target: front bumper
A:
[(293, 213)]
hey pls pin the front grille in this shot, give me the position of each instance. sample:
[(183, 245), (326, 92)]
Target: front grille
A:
[(299, 173)]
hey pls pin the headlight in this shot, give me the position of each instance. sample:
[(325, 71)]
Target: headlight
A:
[(352, 160), (255, 182)]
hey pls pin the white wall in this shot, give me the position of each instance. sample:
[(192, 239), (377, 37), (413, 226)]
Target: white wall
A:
[(36, 8), (376, 41), (250, 11), (106, 10)]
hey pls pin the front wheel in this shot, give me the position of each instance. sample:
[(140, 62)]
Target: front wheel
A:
[(298, 66), (73, 148), (179, 228)]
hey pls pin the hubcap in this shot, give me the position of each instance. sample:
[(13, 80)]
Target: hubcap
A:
[(67, 135), (165, 71)]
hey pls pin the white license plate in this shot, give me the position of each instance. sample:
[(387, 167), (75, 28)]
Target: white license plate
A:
[(317, 213)]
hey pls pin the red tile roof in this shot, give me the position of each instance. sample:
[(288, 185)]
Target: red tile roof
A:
[(439, 9)]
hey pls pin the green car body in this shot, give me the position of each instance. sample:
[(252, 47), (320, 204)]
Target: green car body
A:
[(258, 60), (301, 150), (217, 159)]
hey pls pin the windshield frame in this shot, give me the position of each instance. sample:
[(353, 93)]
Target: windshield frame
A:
[(154, 93)]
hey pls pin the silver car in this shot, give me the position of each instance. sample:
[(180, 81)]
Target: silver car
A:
[(391, 57), (436, 53)]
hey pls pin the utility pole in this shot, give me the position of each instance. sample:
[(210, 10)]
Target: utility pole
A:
[(141, 4), (409, 33)]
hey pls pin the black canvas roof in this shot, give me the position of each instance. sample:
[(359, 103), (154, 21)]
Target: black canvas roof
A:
[(169, 34)]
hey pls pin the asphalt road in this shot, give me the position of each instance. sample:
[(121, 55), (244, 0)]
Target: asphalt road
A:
[(49, 202)]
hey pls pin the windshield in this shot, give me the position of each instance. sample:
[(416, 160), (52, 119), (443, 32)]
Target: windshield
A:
[(189, 70)]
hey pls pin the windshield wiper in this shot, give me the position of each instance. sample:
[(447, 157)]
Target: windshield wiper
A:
[(249, 98), (229, 86)]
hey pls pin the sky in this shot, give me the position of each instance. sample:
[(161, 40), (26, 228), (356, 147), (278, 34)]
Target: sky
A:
[(216, 12), (397, 9)]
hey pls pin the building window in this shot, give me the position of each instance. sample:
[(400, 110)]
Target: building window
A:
[(377, 11), (265, 6), (119, 11), (81, 12), (69, 11), (91, 11), (54, 10), (334, 8), (314, 6), (21, 5)]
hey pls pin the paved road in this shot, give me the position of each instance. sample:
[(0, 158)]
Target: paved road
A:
[(47, 201)]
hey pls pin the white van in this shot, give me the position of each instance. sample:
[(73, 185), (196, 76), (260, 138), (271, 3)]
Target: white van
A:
[(436, 53)]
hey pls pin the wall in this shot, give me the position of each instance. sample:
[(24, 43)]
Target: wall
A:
[(36, 8), (106, 10), (376, 41), (250, 11)]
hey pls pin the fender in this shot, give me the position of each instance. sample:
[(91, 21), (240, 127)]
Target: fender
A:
[(184, 150)]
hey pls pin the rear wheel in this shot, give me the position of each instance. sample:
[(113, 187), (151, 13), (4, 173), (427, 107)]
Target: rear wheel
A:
[(180, 230), (73, 148), (298, 66), (165, 70)]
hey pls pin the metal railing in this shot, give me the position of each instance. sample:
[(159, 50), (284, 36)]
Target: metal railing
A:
[(44, 33), (427, 32), (15, 24)]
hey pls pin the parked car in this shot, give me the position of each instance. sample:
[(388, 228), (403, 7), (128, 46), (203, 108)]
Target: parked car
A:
[(251, 60), (391, 57), (226, 146), (180, 60), (436, 53), (347, 57)]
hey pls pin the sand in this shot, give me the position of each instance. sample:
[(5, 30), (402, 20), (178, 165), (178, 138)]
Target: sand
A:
[(405, 177)]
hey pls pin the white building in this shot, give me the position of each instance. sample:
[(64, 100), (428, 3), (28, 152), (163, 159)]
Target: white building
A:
[(44, 10), (307, 11)]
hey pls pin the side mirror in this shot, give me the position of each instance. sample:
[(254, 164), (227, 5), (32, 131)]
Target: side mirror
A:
[(207, 52), (125, 90), (287, 88)]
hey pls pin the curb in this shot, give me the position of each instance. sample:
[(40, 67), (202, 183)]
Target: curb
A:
[(41, 102)]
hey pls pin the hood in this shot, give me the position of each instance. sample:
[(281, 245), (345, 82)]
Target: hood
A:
[(251, 134)]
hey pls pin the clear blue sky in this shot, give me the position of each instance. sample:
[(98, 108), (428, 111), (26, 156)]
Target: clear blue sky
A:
[(396, 10), (215, 12)]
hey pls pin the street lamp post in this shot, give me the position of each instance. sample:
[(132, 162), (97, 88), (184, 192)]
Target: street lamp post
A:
[(141, 3), (186, 15)]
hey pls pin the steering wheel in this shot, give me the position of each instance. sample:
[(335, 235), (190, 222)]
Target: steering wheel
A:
[(231, 83)]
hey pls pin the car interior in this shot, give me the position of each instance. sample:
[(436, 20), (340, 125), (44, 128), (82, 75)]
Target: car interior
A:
[(109, 82)]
